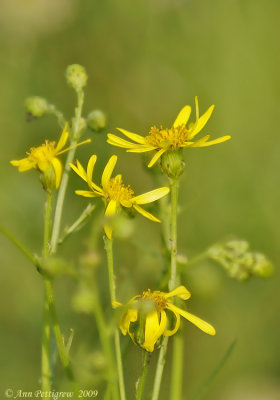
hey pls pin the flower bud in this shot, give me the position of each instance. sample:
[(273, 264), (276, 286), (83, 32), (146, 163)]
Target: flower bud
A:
[(262, 266), (48, 179), (96, 120), (36, 106), (76, 76), (172, 163)]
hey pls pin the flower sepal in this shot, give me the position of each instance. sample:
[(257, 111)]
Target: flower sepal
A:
[(48, 179), (172, 163)]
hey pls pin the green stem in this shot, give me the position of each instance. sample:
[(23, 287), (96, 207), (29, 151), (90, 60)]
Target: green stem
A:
[(59, 338), (46, 332), (142, 379), (65, 176), (177, 370), (172, 285), (105, 342), (112, 287), (21, 247)]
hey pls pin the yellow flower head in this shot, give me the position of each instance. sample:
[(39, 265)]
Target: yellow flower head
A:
[(44, 158), (147, 317), (114, 191), (161, 139)]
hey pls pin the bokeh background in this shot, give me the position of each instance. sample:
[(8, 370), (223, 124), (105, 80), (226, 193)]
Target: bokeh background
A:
[(145, 60)]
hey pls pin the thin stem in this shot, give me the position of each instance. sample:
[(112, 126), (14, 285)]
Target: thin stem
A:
[(141, 383), (65, 176), (177, 370), (21, 247), (160, 367), (59, 338), (172, 285), (46, 331), (105, 342), (112, 287)]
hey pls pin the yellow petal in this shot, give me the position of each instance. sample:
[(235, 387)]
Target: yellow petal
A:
[(63, 138), (145, 213), (117, 141), (180, 292), (130, 315), (203, 325), (108, 170), (212, 142), (140, 149), (24, 164), (79, 170), (90, 166), (133, 136), (86, 193), (58, 170), (110, 212), (170, 332), (156, 157), (201, 122), (151, 196), (151, 330), (183, 116)]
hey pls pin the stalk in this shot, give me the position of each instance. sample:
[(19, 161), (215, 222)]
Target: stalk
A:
[(112, 287), (142, 379)]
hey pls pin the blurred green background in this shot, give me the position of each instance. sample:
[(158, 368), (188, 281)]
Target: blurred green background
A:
[(145, 60)]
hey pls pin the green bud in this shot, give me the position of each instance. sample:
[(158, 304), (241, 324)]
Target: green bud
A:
[(76, 76), (96, 120), (172, 163), (262, 266), (36, 106), (48, 179)]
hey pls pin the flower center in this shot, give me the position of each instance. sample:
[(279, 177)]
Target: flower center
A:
[(43, 153), (116, 190), (159, 301), (172, 138)]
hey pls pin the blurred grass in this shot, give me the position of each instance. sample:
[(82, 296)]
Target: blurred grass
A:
[(146, 59)]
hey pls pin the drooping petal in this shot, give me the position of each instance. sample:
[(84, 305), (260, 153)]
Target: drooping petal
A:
[(180, 292), (212, 142), (170, 332), (117, 141), (108, 170), (24, 164), (110, 212), (130, 315), (183, 116), (156, 157), (151, 196), (63, 138), (79, 170), (201, 122), (58, 170), (203, 325), (86, 193), (151, 330), (145, 213), (133, 136)]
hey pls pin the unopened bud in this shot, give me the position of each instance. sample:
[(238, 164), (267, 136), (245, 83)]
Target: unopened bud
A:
[(262, 266), (36, 106), (96, 120), (76, 76), (172, 163)]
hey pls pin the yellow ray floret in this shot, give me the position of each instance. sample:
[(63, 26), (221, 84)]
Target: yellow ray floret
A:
[(145, 318), (114, 191), (161, 139), (44, 157)]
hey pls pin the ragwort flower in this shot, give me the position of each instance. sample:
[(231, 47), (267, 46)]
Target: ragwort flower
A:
[(147, 317), (114, 192), (168, 139), (44, 158)]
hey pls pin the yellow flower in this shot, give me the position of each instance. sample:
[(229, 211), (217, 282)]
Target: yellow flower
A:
[(114, 191), (44, 158), (166, 139), (147, 317)]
